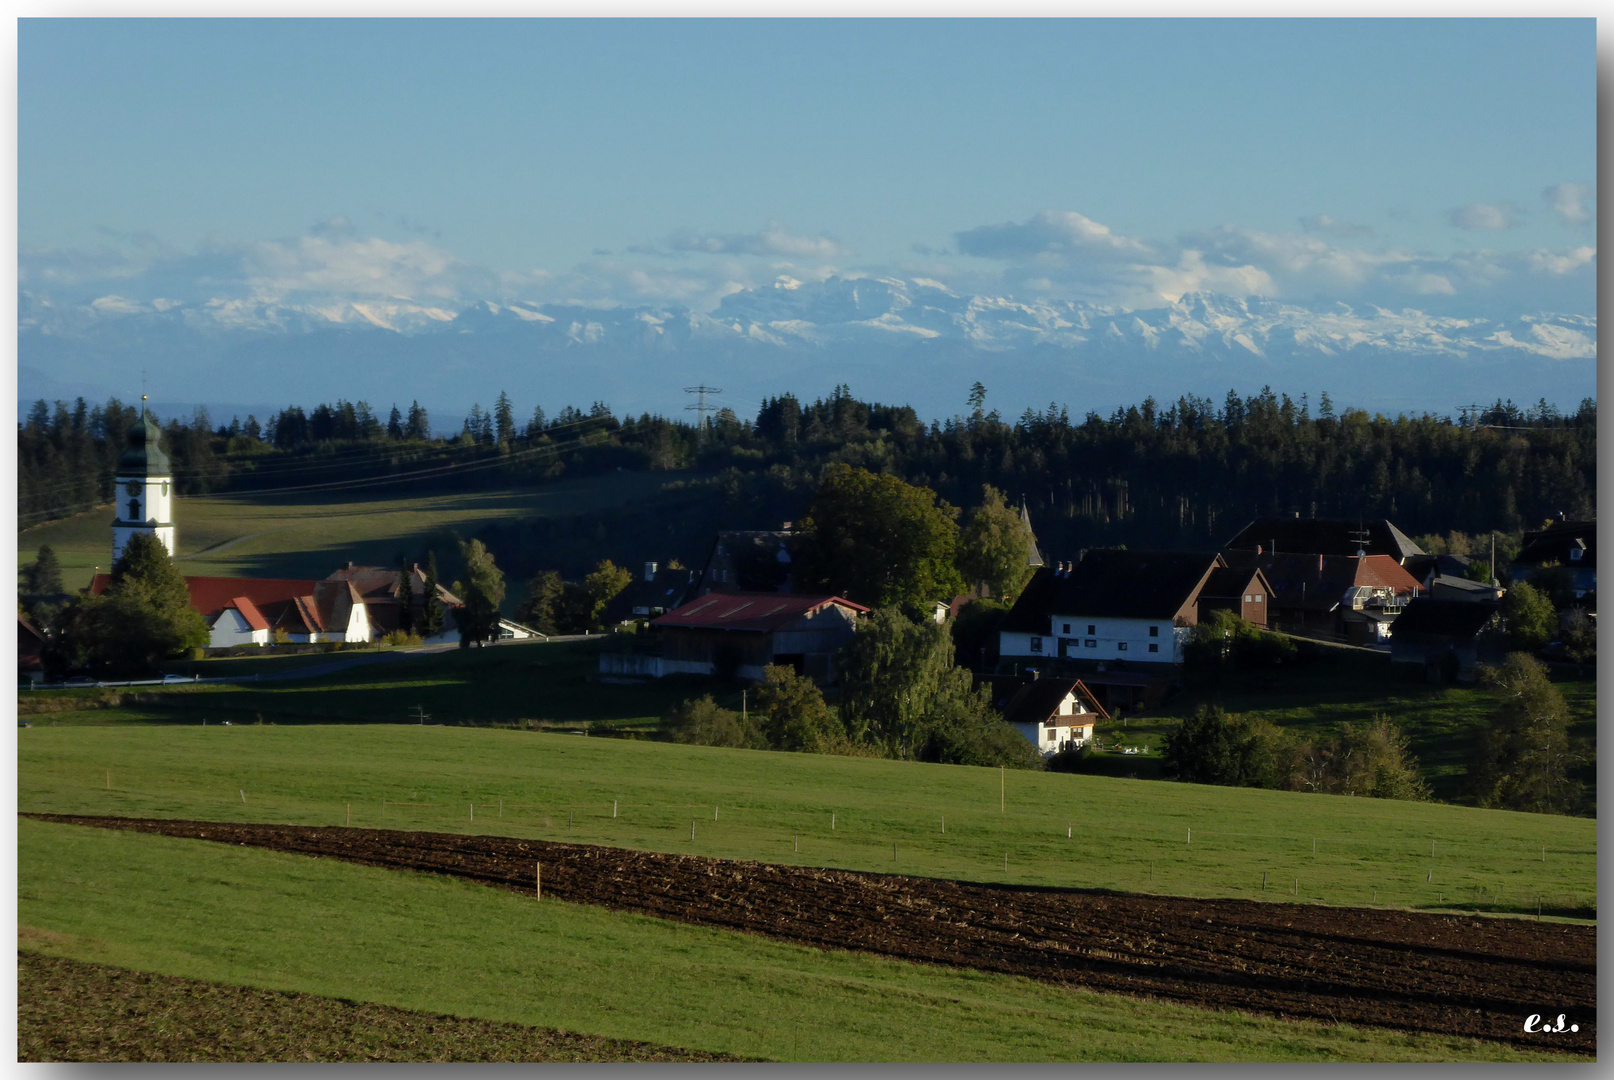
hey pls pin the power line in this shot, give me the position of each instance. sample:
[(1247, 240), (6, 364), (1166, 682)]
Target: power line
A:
[(701, 408)]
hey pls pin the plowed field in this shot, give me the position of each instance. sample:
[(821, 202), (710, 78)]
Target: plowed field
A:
[(1437, 973)]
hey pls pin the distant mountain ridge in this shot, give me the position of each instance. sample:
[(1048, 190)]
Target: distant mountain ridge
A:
[(894, 339)]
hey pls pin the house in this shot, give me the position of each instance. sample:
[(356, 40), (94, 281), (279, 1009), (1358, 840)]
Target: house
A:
[(1568, 544), (1335, 597), (252, 611), (1324, 536), (1055, 714), (1447, 638), (1131, 606), (30, 651), (658, 591), (377, 588), (743, 633), (749, 561)]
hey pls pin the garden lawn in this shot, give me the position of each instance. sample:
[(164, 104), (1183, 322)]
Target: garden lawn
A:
[(258, 918)]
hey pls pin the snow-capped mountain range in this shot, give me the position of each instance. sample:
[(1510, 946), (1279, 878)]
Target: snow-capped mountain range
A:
[(907, 341)]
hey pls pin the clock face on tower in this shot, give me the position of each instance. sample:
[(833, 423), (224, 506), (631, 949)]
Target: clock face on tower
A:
[(132, 487)]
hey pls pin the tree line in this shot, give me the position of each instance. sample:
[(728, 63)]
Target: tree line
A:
[(1185, 474)]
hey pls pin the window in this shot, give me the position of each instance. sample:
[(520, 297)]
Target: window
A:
[(1154, 631), (1036, 644), (1248, 599), (1257, 598), (1090, 643), (1154, 648), (1576, 553), (1067, 628), (1120, 646), (1092, 629)]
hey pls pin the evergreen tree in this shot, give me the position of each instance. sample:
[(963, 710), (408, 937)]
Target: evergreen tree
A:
[(480, 596), (535, 426), (395, 430), (540, 610), (419, 427), (45, 575), (431, 620), (504, 420), (144, 616), (404, 592)]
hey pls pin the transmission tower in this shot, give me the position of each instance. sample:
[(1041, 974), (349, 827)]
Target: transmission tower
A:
[(701, 408)]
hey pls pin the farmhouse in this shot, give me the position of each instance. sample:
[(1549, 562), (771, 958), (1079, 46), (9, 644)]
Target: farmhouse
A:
[(1571, 545), (1324, 536), (1134, 607), (743, 633), (1340, 597), (1054, 714), (1447, 638), (749, 561)]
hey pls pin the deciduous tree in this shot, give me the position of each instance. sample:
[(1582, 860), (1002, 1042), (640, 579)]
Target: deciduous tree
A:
[(480, 595), (994, 547), (1523, 757), (879, 541)]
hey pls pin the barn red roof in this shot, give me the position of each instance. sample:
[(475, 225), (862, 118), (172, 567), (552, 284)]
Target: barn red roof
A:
[(211, 595), (249, 611), (755, 612)]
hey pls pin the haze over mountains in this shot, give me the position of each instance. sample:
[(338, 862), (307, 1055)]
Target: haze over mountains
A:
[(912, 341)]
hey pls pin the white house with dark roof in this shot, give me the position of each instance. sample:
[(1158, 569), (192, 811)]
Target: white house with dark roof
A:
[(1055, 714)]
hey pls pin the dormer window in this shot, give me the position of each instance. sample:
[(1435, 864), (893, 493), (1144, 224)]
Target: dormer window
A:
[(1575, 553)]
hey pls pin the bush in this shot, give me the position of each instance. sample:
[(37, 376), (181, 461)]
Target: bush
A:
[(401, 638), (701, 721), (1216, 747)]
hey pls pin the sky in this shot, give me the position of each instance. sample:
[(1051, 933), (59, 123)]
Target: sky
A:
[(1433, 162)]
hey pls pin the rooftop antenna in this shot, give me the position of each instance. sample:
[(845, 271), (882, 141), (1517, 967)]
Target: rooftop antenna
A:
[(701, 408), (1361, 537)]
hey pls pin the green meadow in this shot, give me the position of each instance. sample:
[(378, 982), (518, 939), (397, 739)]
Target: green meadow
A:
[(308, 535), (258, 918), (1032, 828)]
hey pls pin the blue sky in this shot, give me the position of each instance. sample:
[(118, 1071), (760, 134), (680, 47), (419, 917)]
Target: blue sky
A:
[(1433, 162)]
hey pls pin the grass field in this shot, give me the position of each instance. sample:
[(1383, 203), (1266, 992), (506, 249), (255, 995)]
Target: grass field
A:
[(1310, 701), (257, 918), (1021, 827), (310, 535)]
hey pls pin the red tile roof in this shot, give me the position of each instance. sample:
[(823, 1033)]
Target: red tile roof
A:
[(755, 612), (249, 611), (1383, 572)]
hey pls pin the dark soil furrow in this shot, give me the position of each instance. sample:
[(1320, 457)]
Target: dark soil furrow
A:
[(1437, 973)]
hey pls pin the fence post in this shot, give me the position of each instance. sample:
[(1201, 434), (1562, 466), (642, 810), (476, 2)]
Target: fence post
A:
[(538, 881), (692, 832)]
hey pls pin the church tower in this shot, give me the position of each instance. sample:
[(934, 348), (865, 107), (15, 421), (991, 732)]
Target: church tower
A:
[(143, 492)]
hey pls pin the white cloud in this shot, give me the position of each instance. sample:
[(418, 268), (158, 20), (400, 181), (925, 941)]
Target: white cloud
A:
[(774, 239), (1574, 204), (1486, 216), (1056, 233), (1333, 226), (1192, 274), (1550, 262)]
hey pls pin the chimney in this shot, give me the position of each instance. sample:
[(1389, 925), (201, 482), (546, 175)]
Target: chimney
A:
[(350, 564), (1319, 566), (650, 571), (786, 526)]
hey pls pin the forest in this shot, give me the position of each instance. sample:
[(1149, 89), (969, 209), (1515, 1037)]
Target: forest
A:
[(1186, 474)]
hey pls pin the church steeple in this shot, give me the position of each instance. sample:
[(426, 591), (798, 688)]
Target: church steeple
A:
[(1034, 556), (143, 489)]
